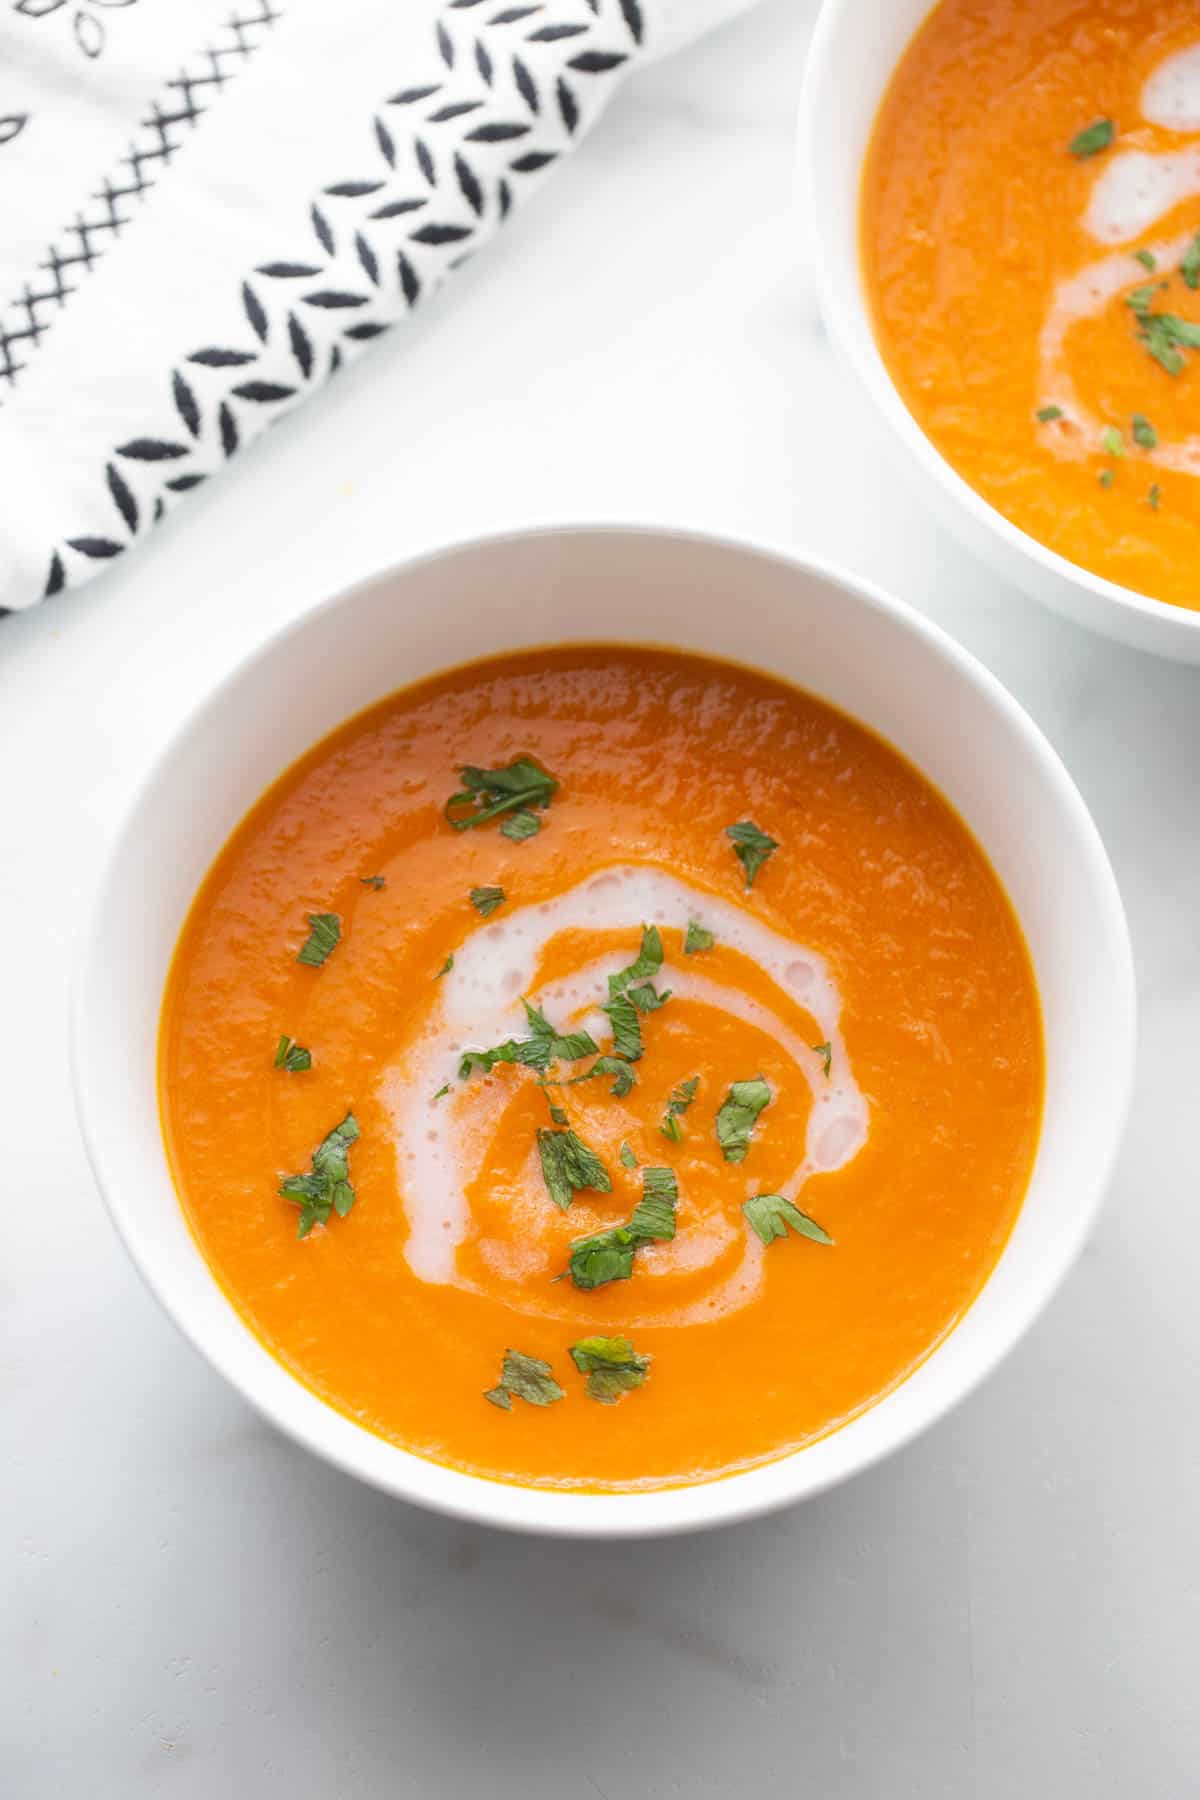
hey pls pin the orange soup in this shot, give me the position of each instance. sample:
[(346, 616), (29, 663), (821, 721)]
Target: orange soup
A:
[(1031, 242), (601, 1068)]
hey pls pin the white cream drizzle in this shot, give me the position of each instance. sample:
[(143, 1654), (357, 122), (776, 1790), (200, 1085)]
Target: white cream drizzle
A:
[(1171, 96), (438, 1154)]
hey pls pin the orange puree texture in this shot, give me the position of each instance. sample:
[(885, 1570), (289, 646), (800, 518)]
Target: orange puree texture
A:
[(656, 753), (972, 214)]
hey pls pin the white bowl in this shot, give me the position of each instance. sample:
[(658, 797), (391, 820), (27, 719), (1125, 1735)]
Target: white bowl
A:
[(871, 656), (850, 66)]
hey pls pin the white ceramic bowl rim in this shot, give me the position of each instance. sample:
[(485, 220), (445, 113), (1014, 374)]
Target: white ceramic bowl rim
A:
[(852, 332), (745, 1494)]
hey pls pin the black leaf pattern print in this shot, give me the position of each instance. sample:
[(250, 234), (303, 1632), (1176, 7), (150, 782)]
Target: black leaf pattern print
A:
[(493, 112)]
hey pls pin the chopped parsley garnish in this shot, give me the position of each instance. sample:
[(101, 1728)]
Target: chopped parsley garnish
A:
[(372, 881), (751, 847), (485, 900), (542, 1047), (1147, 259), (739, 1112), (1164, 334), (292, 1056), (627, 1028), (770, 1215), (519, 826), (1046, 415), (628, 1158), (697, 938), (1144, 433), (324, 931), (616, 1066), (569, 1166), (442, 1091), (487, 793), (328, 1188), (1154, 496), (1092, 139), (612, 1366), (608, 1255), (446, 967), (1189, 268), (527, 1379), (645, 965), (825, 1052), (631, 992), (681, 1098), (1105, 478), (558, 1116), (1112, 441)]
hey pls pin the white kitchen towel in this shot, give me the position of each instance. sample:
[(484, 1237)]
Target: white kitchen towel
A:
[(204, 213)]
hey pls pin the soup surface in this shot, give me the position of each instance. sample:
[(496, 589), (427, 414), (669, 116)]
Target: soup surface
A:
[(1031, 210), (736, 1047)]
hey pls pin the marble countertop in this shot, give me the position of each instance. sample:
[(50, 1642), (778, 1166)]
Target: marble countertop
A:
[(191, 1605)]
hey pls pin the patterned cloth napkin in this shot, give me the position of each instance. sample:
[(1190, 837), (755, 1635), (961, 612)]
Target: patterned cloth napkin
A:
[(205, 213)]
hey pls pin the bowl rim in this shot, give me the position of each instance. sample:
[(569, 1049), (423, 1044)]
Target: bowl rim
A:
[(726, 1499), (855, 339)]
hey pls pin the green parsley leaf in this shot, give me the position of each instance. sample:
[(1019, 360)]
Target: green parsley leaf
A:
[(486, 793), (616, 1066), (770, 1215), (526, 1378), (1144, 433), (485, 900), (558, 1116), (825, 1052), (644, 967), (681, 1098), (751, 846), (645, 998), (697, 938), (569, 1166), (1154, 496), (627, 1028), (1164, 333), (608, 1255), (519, 826), (1147, 259), (328, 1188), (543, 1047), (1112, 441), (324, 931), (442, 1091), (1092, 139), (372, 881), (292, 1056), (446, 967), (1046, 415), (628, 1158), (612, 1366), (1105, 478), (736, 1119), (1189, 268)]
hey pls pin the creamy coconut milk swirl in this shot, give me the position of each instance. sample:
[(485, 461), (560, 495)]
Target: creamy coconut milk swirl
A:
[(439, 1152)]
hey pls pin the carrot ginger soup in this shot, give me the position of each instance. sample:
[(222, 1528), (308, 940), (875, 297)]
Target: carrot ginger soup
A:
[(1031, 241), (601, 1068)]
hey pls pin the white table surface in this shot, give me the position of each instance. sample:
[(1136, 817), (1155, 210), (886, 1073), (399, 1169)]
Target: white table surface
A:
[(192, 1607)]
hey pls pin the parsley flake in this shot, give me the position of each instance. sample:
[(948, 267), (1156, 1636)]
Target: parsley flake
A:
[(569, 1167), (324, 931), (628, 1158), (1105, 478), (1154, 496), (697, 938), (1144, 434), (373, 881), (1092, 139), (328, 1188), (681, 1098), (1112, 441), (519, 826), (770, 1215), (1189, 268), (542, 1047), (1046, 415), (608, 1255), (1147, 259), (485, 900), (825, 1052), (751, 846), (442, 1091), (446, 967), (738, 1115), (292, 1056), (616, 1066), (526, 1378), (486, 793), (612, 1366)]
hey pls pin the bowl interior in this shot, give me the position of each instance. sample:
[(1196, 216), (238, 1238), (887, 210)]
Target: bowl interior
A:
[(865, 654), (847, 76)]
